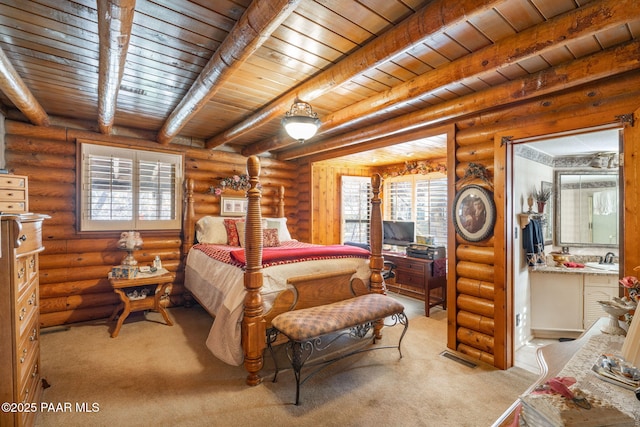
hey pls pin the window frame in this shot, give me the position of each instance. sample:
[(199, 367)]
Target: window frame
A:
[(176, 159)]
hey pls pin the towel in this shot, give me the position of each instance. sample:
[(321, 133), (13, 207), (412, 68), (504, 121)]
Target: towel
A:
[(533, 241)]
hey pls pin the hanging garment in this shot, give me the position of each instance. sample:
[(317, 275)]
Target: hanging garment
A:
[(533, 242)]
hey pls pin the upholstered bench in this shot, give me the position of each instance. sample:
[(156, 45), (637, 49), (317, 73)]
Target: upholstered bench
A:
[(356, 316)]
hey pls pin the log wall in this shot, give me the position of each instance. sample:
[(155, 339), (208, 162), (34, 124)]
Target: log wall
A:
[(74, 266), (481, 319)]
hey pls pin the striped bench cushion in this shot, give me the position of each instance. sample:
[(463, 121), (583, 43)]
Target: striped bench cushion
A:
[(302, 325)]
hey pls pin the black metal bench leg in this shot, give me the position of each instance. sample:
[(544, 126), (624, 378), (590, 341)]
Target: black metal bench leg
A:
[(402, 318), (272, 335)]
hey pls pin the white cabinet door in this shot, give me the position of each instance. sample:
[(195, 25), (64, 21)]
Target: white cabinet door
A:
[(598, 288), (556, 301)]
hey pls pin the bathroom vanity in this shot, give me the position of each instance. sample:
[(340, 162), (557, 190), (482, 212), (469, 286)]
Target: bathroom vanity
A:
[(564, 301)]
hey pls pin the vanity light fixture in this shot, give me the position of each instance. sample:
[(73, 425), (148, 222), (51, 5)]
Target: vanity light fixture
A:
[(301, 122)]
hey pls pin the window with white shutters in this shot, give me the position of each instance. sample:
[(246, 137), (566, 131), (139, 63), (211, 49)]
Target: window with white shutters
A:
[(356, 208), (419, 198), (125, 189)]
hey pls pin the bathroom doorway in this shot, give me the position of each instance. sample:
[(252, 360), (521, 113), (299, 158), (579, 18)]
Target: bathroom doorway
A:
[(536, 165)]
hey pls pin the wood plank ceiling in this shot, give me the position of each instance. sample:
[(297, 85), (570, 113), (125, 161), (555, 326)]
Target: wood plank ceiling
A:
[(223, 73)]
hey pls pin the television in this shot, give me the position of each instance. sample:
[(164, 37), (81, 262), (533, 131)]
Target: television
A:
[(398, 233)]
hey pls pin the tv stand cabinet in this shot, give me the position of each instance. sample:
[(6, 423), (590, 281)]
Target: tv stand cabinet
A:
[(415, 277)]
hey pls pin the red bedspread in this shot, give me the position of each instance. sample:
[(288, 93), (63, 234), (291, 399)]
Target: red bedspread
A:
[(288, 252), (271, 256)]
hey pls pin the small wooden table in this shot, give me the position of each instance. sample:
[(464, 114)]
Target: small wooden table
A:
[(152, 301)]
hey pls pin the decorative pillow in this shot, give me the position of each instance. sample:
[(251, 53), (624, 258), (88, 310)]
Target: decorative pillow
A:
[(211, 229), (270, 238), (281, 225), (232, 231)]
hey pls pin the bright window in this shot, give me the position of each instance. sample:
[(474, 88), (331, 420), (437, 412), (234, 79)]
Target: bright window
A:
[(419, 198), (356, 208), (125, 189)]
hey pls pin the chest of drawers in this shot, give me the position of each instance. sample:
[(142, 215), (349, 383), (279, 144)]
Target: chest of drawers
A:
[(20, 244), (14, 194), (415, 277)]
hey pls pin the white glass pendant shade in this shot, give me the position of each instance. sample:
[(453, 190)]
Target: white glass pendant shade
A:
[(301, 123)]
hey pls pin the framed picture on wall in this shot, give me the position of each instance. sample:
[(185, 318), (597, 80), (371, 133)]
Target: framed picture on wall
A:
[(233, 206), (474, 213), (547, 229)]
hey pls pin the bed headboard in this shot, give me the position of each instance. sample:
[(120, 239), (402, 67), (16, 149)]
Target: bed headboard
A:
[(190, 217)]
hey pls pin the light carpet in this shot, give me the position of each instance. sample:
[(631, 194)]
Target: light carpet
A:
[(153, 374)]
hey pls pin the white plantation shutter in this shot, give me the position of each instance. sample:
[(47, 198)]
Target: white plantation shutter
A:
[(125, 189), (419, 198), (356, 208), (431, 209), (400, 200)]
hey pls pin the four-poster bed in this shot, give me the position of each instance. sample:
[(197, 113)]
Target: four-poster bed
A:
[(244, 311)]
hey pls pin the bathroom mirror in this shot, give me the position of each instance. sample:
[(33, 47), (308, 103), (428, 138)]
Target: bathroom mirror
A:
[(587, 209)]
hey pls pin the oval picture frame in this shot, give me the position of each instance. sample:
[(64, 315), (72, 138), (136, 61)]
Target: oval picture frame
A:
[(474, 213)]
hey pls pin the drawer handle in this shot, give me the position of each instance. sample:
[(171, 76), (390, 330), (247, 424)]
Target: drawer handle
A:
[(23, 312), (10, 194), (33, 336), (24, 356), (23, 237), (21, 273), (32, 299)]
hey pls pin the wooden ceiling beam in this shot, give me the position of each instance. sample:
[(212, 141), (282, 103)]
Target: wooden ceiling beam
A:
[(594, 17), (115, 20), (437, 16), (617, 60), (252, 29), (17, 91)]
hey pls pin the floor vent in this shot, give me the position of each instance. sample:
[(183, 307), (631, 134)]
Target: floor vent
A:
[(455, 358)]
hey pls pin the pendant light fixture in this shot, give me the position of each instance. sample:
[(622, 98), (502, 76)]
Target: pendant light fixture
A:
[(301, 122)]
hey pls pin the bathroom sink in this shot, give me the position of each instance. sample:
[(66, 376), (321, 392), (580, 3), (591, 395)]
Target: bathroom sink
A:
[(606, 267)]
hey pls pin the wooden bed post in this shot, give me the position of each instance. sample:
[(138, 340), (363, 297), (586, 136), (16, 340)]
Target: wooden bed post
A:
[(188, 224), (377, 261), (253, 322), (281, 202)]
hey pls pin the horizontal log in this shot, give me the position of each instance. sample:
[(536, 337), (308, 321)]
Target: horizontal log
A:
[(59, 275), (37, 173), (67, 219), (475, 339), (27, 144), (479, 254), (476, 288), (52, 189), (476, 152), (212, 167), (92, 286), (13, 127), (74, 302), (53, 161), (474, 270), (481, 306), (475, 353), (74, 316), (476, 322), (590, 96), (51, 204), (80, 245), (485, 243)]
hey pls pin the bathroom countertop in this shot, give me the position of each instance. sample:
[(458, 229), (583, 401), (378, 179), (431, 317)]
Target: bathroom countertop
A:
[(567, 270)]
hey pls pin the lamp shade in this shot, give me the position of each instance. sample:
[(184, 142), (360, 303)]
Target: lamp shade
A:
[(301, 122)]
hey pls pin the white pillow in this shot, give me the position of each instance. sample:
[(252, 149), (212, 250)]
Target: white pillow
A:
[(281, 225), (210, 229)]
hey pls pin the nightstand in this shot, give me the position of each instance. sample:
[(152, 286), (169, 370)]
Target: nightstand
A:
[(157, 288)]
